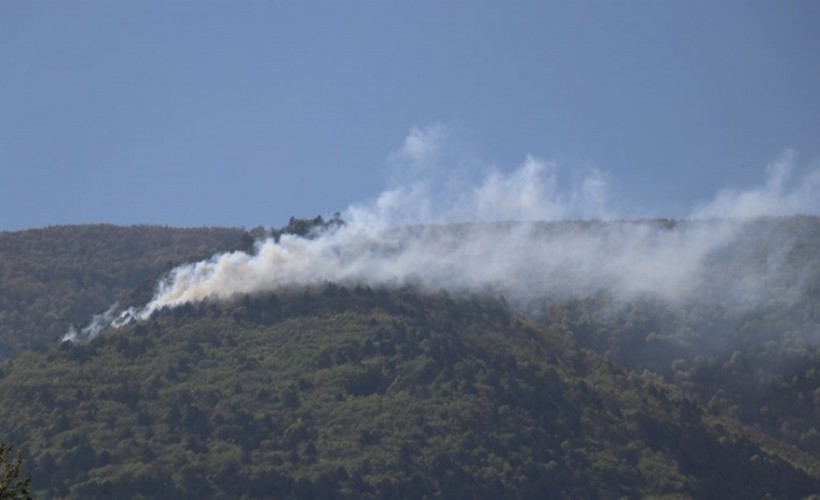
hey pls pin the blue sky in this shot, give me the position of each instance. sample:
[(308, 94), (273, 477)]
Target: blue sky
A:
[(245, 113)]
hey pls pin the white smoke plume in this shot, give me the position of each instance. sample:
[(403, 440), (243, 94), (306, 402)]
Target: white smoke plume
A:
[(779, 196), (97, 324), (504, 234)]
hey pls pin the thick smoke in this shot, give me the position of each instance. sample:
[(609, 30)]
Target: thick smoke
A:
[(510, 233)]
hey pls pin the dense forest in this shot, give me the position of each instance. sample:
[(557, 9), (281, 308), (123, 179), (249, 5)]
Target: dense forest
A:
[(54, 277), (357, 391)]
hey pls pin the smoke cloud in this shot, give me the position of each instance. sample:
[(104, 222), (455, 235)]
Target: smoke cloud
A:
[(779, 196), (510, 233)]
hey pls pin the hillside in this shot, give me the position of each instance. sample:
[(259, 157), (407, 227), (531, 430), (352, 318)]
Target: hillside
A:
[(54, 277), (358, 392), (600, 359), (747, 345)]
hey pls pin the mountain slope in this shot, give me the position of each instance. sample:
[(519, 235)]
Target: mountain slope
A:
[(352, 392), (53, 277), (747, 345)]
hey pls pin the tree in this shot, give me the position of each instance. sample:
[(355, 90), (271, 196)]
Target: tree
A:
[(13, 485)]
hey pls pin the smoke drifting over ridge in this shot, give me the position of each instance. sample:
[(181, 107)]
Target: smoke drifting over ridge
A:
[(434, 229)]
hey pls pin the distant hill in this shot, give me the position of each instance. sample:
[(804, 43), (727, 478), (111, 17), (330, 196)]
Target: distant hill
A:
[(347, 393), (53, 277)]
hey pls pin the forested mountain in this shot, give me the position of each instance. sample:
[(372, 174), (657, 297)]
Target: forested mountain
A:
[(53, 277), (351, 393), (358, 391)]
